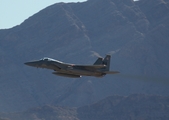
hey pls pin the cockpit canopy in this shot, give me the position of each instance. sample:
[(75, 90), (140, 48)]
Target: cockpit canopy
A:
[(45, 59), (50, 59)]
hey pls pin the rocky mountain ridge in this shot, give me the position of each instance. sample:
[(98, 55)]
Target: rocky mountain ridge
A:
[(136, 32), (136, 106)]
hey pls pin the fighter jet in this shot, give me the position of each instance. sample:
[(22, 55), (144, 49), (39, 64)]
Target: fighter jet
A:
[(99, 69)]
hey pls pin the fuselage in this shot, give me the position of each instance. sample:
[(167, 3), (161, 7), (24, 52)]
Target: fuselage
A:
[(65, 68)]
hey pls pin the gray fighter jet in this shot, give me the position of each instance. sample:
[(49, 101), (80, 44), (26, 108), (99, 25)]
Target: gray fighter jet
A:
[(99, 69)]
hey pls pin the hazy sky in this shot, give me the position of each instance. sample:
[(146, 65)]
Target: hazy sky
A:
[(14, 12)]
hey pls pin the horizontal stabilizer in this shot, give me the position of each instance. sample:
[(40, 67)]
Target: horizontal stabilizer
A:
[(111, 72)]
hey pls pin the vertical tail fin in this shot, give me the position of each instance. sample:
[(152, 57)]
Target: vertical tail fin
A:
[(99, 61), (106, 62)]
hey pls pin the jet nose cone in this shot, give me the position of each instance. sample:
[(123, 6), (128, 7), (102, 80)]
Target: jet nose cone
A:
[(28, 63), (33, 64)]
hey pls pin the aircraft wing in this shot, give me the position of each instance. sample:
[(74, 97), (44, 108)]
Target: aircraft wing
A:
[(111, 72), (90, 67)]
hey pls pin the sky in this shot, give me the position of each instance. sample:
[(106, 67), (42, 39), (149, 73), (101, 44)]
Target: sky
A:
[(14, 12)]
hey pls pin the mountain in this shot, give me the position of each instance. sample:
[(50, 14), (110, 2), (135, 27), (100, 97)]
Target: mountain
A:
[(136, 33), (136, 106)]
